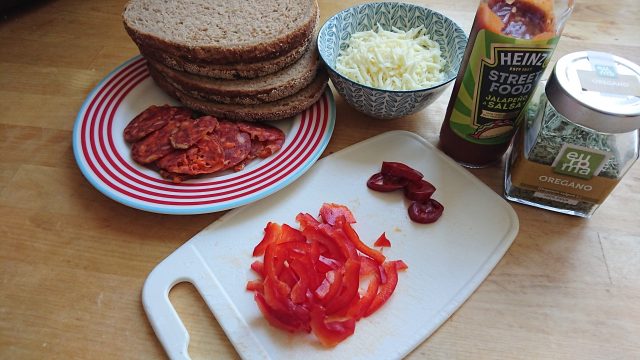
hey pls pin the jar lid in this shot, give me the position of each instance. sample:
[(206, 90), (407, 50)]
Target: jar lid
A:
[(596, 90)]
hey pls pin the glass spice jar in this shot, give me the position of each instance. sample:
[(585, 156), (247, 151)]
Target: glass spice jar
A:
[(579, 135)]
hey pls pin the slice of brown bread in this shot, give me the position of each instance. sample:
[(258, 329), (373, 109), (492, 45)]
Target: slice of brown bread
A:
[(240, 70), (267, 88), (276, 110), (221, 32)]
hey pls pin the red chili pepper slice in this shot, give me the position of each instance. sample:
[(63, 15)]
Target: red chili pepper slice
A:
[(382, 241), (400, 170), (419, 190), (385, 183), (425, 212)]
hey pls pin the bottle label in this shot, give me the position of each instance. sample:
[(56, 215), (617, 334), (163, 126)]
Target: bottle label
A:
[(573, 178), (500, 77)]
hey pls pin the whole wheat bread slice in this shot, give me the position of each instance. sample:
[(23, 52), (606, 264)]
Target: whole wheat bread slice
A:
[(231, 71), (221, 32), (276, 110), (267, 88)]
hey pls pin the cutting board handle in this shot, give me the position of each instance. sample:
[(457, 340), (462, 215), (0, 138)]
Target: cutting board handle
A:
[(162, 315), (187, 265)]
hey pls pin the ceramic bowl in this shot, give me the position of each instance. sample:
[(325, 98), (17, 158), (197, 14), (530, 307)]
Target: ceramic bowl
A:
[(387, 104)]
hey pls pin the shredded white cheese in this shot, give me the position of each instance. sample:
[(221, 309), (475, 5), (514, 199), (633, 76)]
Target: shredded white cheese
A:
[(392, 60)]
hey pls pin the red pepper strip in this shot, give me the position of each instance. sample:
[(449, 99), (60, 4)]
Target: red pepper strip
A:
[(386, 289), (352, 235), (330, 286), (287, 276), (314, 234), (382, 241), (258, 267), (401, 265), (276, 233), (255, 285), (279, 320), (330, 333), (325, 264), (300, 288), (368, 269), (368, 266), (349, 288), (337, 235), (306, 220), (330, 212), (307, 279), (360, 307)]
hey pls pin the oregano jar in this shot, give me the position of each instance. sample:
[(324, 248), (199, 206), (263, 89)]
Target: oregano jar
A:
[(579, 135)]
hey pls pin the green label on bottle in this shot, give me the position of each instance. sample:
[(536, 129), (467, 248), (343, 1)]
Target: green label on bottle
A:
[(501, 75)]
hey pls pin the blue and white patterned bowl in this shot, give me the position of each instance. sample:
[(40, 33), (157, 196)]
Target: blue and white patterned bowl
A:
[(387, 104)]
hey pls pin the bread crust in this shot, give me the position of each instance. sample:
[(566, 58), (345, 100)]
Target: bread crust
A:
[(271, 111), (214, 54), (243, 70), (269, 88)]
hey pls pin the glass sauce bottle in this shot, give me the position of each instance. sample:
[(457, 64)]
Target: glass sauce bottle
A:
[(510, 45)]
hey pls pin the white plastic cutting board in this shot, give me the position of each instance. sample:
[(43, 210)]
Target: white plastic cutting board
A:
[(447, 260)]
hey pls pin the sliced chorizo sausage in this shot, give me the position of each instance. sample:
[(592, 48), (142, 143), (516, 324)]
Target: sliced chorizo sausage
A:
[(192, 130), (152, 119)]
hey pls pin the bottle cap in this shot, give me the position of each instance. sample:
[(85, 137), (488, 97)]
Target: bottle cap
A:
[(597, 90)]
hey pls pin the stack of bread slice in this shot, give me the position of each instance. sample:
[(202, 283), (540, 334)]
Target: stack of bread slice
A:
[(238, 59)]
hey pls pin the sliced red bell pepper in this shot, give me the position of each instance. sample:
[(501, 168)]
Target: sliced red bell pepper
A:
[(371, 270), (329, 212), (382, 241), (278, 319), (330, 286), (338, 237), (352, 235), (276, 233), (349, 288), (306, 220), (258, 267), (330, 332), (386, 289), (255, 285), (333, 250)]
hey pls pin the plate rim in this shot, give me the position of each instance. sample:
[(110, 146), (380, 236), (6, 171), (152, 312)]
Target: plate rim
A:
[(99, 185)]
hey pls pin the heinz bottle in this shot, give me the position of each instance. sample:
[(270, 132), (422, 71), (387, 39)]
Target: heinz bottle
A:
[(510, 45)]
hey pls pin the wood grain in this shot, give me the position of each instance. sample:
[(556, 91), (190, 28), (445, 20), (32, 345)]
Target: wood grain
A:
[(73, 262)]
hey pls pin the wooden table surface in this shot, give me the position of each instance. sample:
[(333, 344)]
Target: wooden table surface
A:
[(73, 262)]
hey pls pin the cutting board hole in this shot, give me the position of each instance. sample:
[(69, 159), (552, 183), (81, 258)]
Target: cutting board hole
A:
[(207, 339)]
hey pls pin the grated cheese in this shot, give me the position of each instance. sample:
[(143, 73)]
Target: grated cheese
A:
[(392, 60)]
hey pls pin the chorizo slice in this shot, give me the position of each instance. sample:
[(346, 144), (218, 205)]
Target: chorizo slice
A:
[(204, 157), (152, 119), (191, 131), (174, 177), (154, 146), (236, 144), (261, 132)]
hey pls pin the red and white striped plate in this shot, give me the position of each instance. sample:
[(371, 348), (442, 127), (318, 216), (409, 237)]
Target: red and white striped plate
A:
[(104, 157)]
